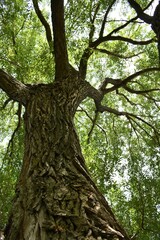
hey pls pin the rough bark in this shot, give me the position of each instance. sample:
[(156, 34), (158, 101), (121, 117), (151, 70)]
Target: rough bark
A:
[(55, 196), (14, 89)]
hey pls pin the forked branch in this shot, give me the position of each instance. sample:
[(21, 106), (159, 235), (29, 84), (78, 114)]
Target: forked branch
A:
[(131, 117), (110, 37), (122, 83)]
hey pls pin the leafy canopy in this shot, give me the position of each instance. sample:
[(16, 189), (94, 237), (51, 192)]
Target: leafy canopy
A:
[(120, 145)]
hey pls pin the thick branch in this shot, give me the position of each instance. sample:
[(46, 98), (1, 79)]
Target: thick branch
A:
[(137, 74), (129, 40), (93, 93), (92, 45), (13, 88), (140, 12), (83, 62), (98, 94), (120, 38), (60, 46), (44, 23)]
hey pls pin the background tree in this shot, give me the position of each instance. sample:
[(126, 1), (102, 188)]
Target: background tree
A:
[(111, 62)]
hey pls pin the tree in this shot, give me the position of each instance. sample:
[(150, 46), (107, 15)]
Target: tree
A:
[(55, 196)]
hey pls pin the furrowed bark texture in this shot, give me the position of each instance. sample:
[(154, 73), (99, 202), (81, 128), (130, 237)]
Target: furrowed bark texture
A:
[(55, 197)]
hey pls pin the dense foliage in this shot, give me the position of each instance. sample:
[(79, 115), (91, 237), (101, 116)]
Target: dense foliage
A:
[(122, 150)]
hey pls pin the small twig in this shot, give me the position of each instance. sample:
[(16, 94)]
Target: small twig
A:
[(83, 110), (133, 127), (140, 91), (140, 126), (93, 125), (105, 18), (22, 26), (127, 99), (114, 54), (11, 62), (92, 20)]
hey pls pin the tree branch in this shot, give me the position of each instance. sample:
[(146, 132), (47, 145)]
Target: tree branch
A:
[(129, 79), (93, 124), (140, 91), (92, 19), (140, 12), (119, 38), (128, 115), (105, 18), (123, 26), (126, 98), (45, 24), (83, 62), (88, 51), (92, 46), (13, 88), (128, 22), (114, 54), (60, 46), (6, 102), (92, 127)]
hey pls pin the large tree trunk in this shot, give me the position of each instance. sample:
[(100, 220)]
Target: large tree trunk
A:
[(55, 197)]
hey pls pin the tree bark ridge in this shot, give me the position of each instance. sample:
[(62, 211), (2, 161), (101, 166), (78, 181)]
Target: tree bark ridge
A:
[(55, 196)]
